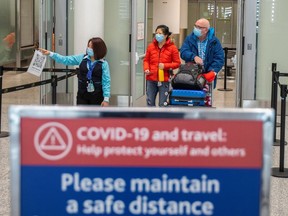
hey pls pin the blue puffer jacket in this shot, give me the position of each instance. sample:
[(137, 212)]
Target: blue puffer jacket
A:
[(214, 57)]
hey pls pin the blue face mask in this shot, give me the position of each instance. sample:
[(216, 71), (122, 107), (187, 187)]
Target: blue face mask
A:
[(159, 37), (197, 32), (90, 52)]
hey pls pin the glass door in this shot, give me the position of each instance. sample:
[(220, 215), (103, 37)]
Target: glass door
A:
[(222, 15), (224, 22), (207, 11), (46, 42), (125, 36), (117, 36), (138, 47), (56, 21)]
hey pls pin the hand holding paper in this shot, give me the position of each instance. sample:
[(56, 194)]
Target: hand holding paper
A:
[(37, 64)]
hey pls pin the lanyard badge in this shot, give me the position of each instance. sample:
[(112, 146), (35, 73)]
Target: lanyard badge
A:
[(90, 85)]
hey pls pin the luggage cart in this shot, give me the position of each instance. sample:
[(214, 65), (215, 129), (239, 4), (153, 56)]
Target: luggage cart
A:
[(193, 98)]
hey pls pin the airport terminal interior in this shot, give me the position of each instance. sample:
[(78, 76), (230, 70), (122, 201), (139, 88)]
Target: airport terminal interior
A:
[(222, 99), (238, 86)]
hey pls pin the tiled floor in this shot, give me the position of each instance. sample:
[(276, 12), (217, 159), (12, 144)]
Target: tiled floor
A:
[(279, 186), (25, 97)]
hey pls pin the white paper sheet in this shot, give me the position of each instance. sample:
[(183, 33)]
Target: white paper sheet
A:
[(37, 64)]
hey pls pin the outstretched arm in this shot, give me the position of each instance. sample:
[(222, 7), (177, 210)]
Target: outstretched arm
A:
[(66, 60)]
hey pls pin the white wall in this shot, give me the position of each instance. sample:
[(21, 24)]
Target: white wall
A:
[(168, 13), (184, 14), (88, 23)]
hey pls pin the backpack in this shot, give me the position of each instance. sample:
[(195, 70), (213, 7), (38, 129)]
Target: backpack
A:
[(188, 77)]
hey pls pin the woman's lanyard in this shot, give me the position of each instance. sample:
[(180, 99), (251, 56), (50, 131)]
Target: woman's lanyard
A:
[(90, 68)]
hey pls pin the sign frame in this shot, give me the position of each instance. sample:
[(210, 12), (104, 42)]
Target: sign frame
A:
[(16, 113)]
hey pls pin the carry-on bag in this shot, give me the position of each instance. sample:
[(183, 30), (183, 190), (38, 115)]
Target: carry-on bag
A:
[(189, 76)]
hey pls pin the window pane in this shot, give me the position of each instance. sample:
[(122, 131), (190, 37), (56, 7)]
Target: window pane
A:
[(224, 23), (207, 10), (7, 32)]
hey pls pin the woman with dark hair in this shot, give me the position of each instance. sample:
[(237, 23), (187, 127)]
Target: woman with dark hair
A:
[(161, 56), (94, 73)]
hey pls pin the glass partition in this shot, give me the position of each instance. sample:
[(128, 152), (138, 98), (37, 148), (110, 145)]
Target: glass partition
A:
[(140, 79), (271, 44), (234, 23), (140, 48), (193, 14), (57, 37), (126, 49), (222, 15), (7, 32), (46, 35), (150, 30), (116, 35), (27, 29), (27, 21), (207, 10), (224, 22)]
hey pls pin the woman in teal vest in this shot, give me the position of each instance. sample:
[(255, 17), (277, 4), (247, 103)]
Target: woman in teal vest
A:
[(94, 73)]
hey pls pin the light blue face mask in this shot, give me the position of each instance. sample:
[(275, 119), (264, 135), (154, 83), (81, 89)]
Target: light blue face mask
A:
[(90, 52), (159, 37), (197, 32)]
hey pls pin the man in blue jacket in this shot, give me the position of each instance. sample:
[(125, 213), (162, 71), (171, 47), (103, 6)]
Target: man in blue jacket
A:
[(202, 47)]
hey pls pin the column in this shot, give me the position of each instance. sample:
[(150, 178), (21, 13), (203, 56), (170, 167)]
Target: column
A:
[(88, 23)]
